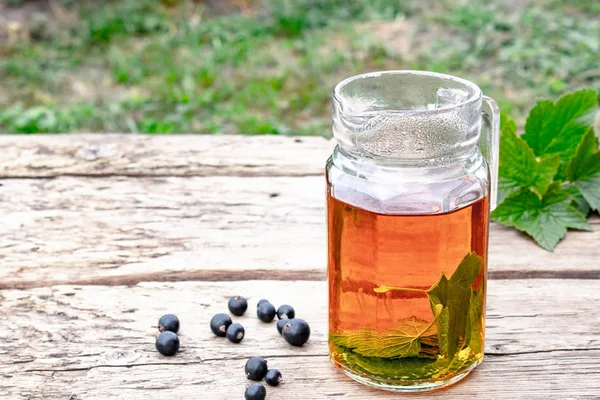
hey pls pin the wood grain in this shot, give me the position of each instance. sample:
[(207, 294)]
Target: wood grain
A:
[(97, 342), (87, 210), (34, 156), (561, 375), (123, 230)]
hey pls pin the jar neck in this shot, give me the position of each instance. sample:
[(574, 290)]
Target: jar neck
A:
[(387, 169), (407, 117)]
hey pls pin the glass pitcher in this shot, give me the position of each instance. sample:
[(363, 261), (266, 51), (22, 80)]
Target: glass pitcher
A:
[(410, 186)]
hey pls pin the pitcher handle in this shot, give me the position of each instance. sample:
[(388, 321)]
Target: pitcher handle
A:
[(489, 143)]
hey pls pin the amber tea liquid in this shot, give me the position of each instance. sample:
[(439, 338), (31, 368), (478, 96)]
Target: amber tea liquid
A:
[(407, 293)]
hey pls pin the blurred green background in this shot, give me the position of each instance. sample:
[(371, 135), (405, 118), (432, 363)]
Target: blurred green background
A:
[(268, 66)]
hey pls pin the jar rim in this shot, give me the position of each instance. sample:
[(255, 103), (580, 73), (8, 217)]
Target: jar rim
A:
[(339, 98)]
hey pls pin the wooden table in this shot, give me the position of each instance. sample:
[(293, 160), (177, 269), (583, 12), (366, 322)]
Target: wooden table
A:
[(102, 234)]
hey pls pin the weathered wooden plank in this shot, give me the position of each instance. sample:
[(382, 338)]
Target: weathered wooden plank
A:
[(163, 155), (560, 375), (123, 230), (73, 229), (98, 342)]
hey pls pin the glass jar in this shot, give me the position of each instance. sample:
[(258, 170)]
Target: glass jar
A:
[(410, 186)]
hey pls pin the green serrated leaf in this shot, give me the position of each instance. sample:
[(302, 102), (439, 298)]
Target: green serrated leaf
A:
[(412, 350), (590, 188), (409, 368), (545, 219), (538, 117), (475, 322), (555, 194), (401, 341), (584, 169), (458, 309), (558, 148), (558, 128), (461, 361), (519, 167), (586, 161), (507, 124), (454, 295), (577, 200), (512, 209), (468, 270), (395, 368), (443, 325)]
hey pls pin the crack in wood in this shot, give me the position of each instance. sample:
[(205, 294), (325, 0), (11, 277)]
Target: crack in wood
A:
[(520, 353), (188, 174), (178, 276), (554, 274), (276, 356), (259, 274)]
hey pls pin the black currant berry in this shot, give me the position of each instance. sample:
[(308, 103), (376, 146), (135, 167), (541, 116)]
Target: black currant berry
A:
[(256, 368), (286, 312), (168, 322), (238, 305), (296, 332), (256, 391), (235, 333), (266, 312), (219, 324), (280, 324), (273, 377), (167, 343)]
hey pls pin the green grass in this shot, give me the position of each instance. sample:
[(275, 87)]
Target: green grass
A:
[(170, 66)]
